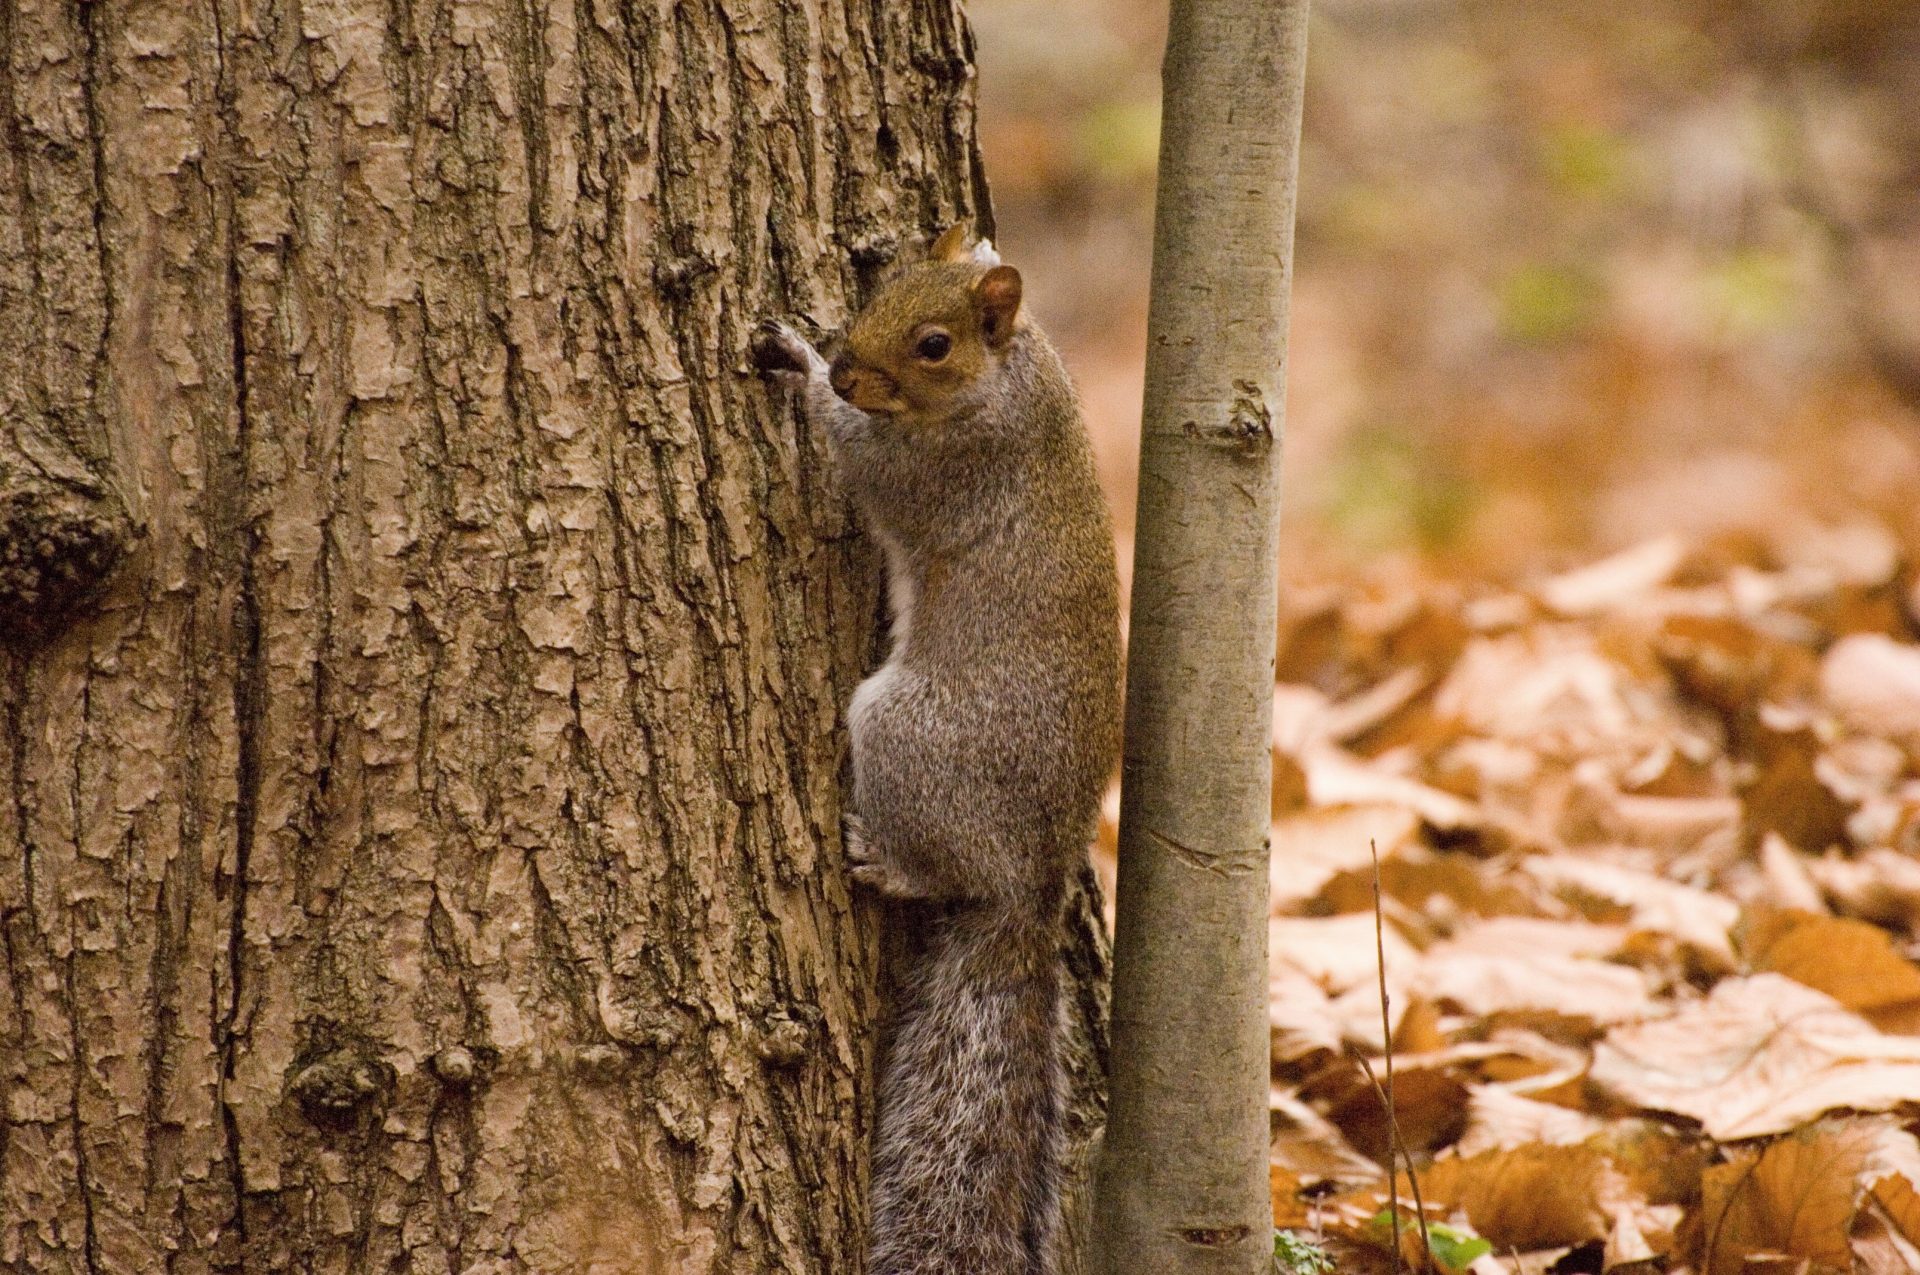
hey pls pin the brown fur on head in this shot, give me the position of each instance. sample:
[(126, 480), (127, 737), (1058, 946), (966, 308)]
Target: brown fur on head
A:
[(931, 331)]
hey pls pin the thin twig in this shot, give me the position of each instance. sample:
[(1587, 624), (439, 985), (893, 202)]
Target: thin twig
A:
[(1395, 1146)]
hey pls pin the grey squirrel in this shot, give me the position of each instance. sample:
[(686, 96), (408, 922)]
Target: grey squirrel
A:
[(981, 746)]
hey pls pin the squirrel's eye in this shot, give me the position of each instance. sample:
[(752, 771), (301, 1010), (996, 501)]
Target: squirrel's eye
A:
[(934, 346)]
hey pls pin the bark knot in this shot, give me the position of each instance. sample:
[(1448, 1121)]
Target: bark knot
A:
[(1214, 1236), (336, 1085), (58, 542), (1247, 428)]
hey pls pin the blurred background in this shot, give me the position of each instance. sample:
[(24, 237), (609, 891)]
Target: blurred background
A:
[(1600, 609), (1569, 276)]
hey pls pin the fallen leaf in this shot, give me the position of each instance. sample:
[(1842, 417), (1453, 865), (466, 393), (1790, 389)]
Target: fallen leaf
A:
[(1493, 969), (1851, 961), (1760, 1055), (1896, 1188), (1448, 885), (1551, 689), (1858, 554), (1528, 1197), (1311, 1148), (1786, 878), (1640, 1238), (1872, 684), (1429, 1105), (1312, 847), (1878, 885), (1799, 1196), (1336, 952), (1615, 581), (1500, 1120), (1337, 778), (1525, 936), (1662, 1163), (1695, 917), (1728, 665), (1787, 794)]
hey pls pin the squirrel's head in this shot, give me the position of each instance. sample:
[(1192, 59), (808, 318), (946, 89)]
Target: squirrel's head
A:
[(924, 342)]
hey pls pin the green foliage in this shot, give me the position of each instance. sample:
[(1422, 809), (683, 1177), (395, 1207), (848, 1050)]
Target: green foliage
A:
[(1584, 162), (1453, 1248), (1295, 1254), (1119, 141), (1456, 1249), (1752, 291), (1390, 489), (1542, 303)]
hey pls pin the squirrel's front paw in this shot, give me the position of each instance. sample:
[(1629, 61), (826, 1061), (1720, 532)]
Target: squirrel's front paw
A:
[(874, 870), (777, 348)]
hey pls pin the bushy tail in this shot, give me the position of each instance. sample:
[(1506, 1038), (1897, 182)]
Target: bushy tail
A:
[(966, 1152)]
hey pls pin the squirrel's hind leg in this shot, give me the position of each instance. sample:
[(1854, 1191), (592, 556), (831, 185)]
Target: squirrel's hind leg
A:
[(874, 868)]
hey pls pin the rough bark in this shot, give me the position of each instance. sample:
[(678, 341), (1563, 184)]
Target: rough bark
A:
[(1183, 1183), (421, 852)]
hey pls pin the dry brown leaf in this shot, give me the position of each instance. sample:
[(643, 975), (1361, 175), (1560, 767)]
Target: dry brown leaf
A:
[(1551, 689), (1786, 880), (1322, 982), (1445, 886), (1879, 885), (1283, 1188), (1499, 1119), (1372, 709), (1800, 1196), (1529, 1197), (1672, 825), (1526, 936), (1880, 1250), (1528, 1063), (1854, 555), (1760, 1055), (1872, 684), (1729, 665), (1504, 966), (1662, 1164), (1640, 1238), (1787, 794), (1849, 960), (1429, 1105), (1898, 1196), (1313, 846), (1312, 1149), (1695, 917), (1336, 952), (1624, 578), (1302, 1019), (1419, 1030), (1299, 717), (1338, 778)]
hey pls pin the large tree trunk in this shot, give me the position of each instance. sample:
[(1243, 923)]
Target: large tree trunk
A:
[(420, 851)]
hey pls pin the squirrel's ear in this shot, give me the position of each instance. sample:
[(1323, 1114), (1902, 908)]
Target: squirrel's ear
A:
[(954, 243), (998, 296)]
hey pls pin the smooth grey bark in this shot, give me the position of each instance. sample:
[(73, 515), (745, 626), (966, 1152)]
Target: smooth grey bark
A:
[(1183, 1181)]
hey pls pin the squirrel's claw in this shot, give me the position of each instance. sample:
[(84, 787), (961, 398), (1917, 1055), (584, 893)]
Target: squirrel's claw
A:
[(776, 348), (871, 868)]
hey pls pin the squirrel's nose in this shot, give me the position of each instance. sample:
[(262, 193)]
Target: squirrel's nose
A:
[(840, 375)]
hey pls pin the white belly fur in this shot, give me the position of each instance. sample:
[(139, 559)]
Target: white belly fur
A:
[(900, 599)]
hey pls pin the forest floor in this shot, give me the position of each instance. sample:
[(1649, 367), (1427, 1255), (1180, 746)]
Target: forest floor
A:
[(1648, 839)]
